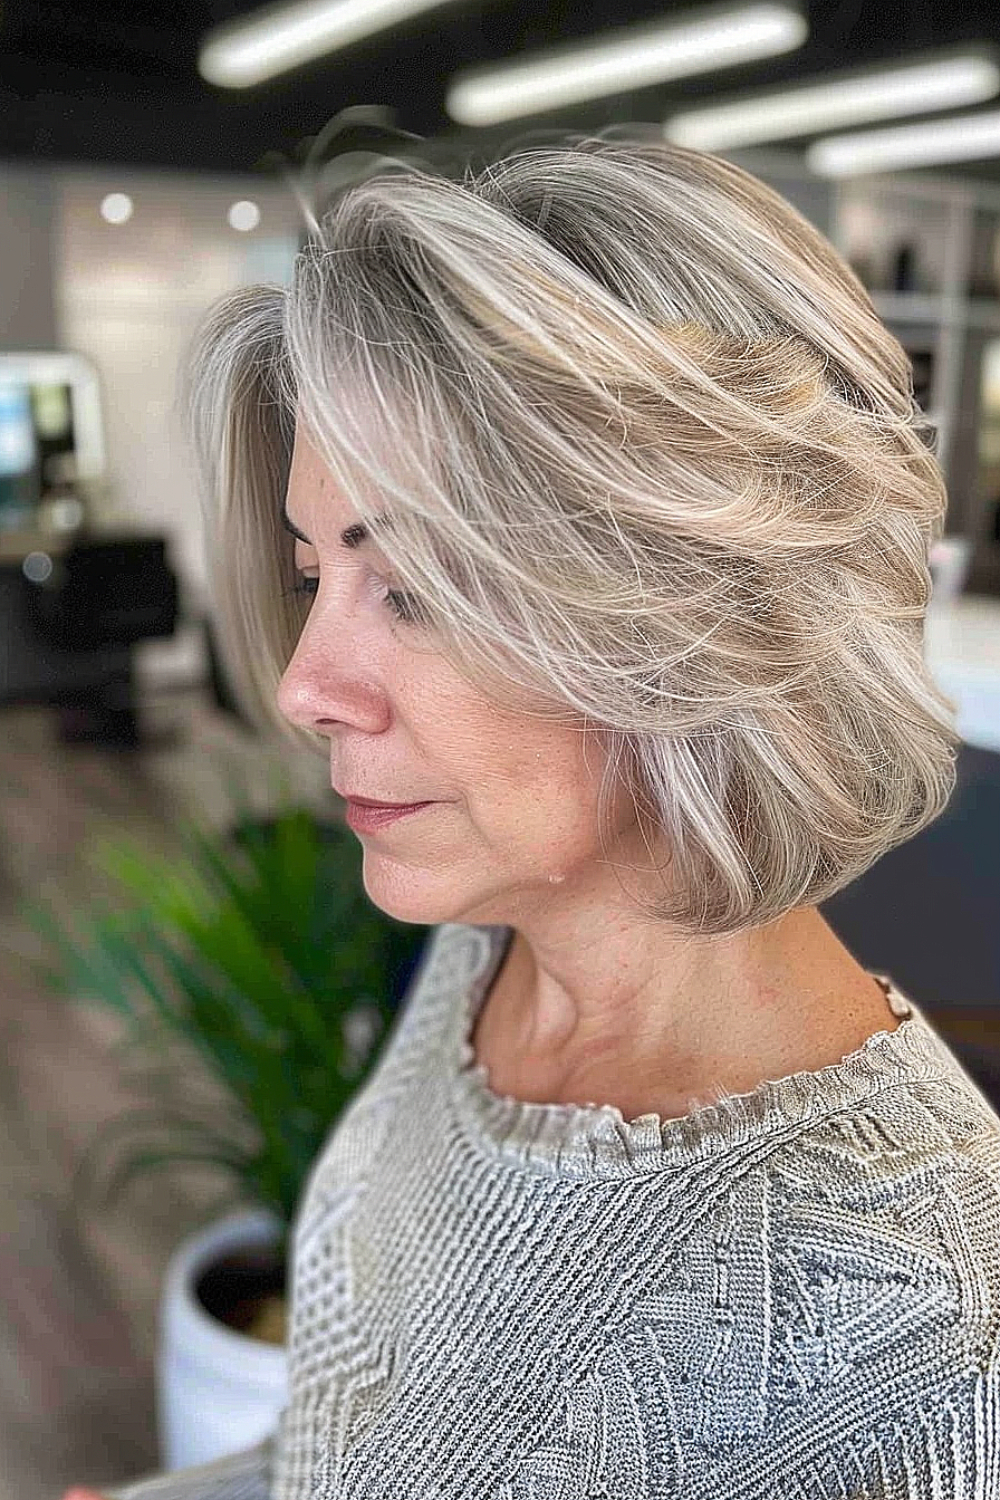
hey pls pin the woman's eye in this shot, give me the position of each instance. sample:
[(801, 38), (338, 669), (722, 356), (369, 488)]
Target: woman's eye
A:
[(403, 606)]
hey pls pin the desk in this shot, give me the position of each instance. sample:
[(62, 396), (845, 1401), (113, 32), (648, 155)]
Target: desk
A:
[(15, 545), (962, 652)]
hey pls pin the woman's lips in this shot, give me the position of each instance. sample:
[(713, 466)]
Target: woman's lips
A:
[(365, 819)]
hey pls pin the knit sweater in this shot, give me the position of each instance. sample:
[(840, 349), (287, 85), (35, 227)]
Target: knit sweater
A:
[(790, 1294)]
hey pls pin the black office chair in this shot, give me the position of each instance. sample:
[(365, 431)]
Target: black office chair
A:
[(108, 591), (102, 596)]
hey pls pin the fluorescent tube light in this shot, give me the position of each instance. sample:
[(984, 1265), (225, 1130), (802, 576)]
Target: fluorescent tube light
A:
[(958, 138), (840, 99), (624, 59), (271, 41)]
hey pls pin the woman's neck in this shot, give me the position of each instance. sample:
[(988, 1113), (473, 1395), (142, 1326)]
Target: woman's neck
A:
[(776, 1003)]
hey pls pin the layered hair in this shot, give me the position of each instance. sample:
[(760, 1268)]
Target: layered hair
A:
[(635, 440)]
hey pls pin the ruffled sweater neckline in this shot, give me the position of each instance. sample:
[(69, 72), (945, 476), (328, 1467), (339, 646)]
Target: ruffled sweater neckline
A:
[(596, 1141)]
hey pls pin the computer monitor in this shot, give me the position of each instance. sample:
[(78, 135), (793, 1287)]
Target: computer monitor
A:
[(51, 432)]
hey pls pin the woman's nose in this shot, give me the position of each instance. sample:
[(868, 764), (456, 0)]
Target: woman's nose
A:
[(325, 684), (297, 696)]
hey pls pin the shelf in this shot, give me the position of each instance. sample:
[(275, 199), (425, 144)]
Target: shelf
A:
[(914, 307), (918, 307)]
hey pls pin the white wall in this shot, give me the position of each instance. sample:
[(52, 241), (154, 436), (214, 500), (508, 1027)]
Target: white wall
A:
[(129, 297)]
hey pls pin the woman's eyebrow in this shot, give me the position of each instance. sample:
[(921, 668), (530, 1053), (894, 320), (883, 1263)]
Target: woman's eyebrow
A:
[(350, 537)]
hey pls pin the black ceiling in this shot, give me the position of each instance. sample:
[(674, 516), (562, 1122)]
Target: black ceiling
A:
[(116, 82)]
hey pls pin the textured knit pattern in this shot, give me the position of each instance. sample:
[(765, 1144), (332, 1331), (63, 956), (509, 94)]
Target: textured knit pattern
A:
[(792, 1294)]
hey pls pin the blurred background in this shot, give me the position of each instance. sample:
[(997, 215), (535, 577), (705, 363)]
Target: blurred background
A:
[(141, 177)]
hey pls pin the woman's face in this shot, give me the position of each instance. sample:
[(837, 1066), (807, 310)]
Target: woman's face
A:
[(513, 815)]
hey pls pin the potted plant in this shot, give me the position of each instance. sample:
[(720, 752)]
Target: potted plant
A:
[(251, 960)]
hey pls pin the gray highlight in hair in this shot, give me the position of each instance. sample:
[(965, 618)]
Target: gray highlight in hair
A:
[(654, 468)]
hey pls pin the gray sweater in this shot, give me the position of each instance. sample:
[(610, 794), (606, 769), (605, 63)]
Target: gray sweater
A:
[(793, 1294)]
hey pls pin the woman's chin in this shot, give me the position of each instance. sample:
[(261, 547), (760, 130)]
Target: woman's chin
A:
[(407, 896)]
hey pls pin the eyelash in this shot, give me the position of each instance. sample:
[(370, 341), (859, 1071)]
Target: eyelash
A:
[(400, 604)]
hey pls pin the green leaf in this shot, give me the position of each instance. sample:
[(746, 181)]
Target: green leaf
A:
[(239, 957)]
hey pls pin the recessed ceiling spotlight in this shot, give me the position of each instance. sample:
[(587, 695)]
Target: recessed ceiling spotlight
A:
[(116, 208), (913, 87), (624, 59), (271, 41), (244, 215)]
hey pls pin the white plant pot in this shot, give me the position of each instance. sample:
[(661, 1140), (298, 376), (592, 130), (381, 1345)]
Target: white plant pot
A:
[(217, 1390)]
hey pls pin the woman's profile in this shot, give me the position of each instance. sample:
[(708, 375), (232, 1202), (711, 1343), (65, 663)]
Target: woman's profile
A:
[(580, 507)]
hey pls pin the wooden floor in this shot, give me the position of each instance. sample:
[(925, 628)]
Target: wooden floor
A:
[(79, 1284)]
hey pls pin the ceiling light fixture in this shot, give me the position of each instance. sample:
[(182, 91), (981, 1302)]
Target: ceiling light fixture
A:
[(242, 53), (244, 215), (909, 88), (972, 137), (116, 208), (624, 59)]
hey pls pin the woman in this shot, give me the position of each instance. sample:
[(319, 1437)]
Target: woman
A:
[(583, 507)]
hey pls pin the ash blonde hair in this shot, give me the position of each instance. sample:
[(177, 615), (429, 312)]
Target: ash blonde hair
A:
[(653, 467)]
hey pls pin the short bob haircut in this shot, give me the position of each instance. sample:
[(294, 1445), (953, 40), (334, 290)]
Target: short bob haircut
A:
[(634, 438)]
